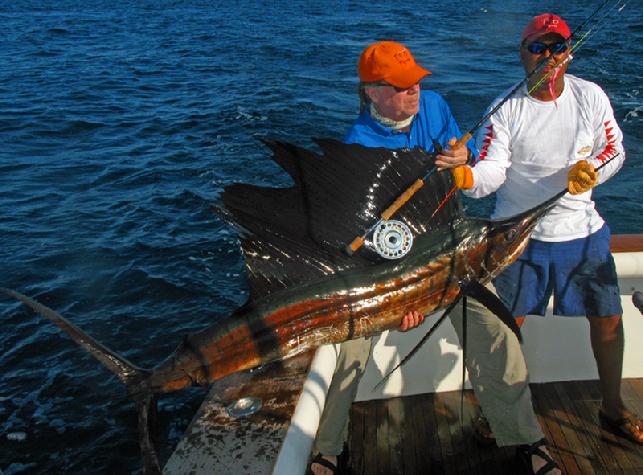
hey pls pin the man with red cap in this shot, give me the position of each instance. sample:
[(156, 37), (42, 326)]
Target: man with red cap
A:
[(395, 113), (549, 136)]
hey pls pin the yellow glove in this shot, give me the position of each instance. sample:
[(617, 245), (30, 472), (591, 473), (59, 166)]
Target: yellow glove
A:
[(462, 177), (581, 177)]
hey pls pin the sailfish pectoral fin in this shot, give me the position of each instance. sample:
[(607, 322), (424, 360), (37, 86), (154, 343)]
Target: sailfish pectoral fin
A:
[(415, 349), (486, 297)]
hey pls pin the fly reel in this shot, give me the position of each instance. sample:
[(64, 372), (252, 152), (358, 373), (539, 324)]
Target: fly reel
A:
[(392, 239)]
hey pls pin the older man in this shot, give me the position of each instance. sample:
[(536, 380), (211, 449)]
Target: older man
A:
[(396, 113), (550, 136)]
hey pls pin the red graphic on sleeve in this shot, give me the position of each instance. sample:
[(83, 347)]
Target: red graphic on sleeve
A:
[(610, 148), (488, 138)]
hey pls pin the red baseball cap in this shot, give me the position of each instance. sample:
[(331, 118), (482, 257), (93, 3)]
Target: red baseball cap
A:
[(391, 62), (546, 23)]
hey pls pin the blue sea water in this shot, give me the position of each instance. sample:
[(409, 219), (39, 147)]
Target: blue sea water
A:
[(120, 123)]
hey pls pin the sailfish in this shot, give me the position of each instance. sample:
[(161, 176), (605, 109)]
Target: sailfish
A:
[(305, 290)]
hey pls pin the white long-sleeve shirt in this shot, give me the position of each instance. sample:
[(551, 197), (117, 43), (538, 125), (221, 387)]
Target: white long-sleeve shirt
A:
[(528, 146)]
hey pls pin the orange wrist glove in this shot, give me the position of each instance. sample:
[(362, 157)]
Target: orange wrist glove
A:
[(581, 177), (462, 177)]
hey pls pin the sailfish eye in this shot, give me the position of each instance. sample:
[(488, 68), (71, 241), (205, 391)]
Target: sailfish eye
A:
[(511, 234)]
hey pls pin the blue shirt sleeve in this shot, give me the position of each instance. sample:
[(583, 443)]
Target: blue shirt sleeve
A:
[(452, 129)]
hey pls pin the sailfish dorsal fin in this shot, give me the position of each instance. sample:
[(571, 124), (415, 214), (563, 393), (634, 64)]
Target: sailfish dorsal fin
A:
[(298, 234)]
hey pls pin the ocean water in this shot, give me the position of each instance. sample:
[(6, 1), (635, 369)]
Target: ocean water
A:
[(121, 122)]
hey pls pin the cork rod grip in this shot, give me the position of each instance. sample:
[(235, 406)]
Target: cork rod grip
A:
[(403, 198), (462, 141), (400, 201)]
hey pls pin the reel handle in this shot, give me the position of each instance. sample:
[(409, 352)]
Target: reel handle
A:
[(355, 245), (387, 213), (358, 242)]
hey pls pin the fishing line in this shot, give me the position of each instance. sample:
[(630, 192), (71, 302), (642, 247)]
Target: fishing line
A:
[(359, 241), (465, 138), (588, 34), (424, 339), (421, 342)]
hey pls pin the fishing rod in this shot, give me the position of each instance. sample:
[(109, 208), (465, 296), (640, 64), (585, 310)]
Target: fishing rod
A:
[(406, 195), (465, 138), (568, 58), (580, 41)]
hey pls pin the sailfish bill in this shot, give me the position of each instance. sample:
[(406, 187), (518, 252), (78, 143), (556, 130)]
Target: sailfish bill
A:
[(304, 290)]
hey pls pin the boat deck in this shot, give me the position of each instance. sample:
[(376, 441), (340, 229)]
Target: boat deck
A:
[(423, 434)]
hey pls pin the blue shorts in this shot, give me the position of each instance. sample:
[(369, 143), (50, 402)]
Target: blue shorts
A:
[(580, 272)]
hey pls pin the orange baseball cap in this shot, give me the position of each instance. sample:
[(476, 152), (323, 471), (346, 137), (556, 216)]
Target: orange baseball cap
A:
[(546, 23), (391, 62)]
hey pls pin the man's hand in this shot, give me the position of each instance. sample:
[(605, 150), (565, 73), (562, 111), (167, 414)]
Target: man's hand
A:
[(581, 177), (411, 320), (451, 158)]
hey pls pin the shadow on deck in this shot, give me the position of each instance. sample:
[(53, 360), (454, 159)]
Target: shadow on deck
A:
[(423, 434)]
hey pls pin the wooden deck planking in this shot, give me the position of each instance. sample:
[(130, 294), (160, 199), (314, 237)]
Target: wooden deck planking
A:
[(579, 439), (587, 409), (397, 453), (550, 413), (410, 455), (424, 434), (426, 420), (382, 436), (358, 422)]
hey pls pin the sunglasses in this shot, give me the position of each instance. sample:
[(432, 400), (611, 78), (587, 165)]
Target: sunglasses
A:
[(554, 48), (385, 84)]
